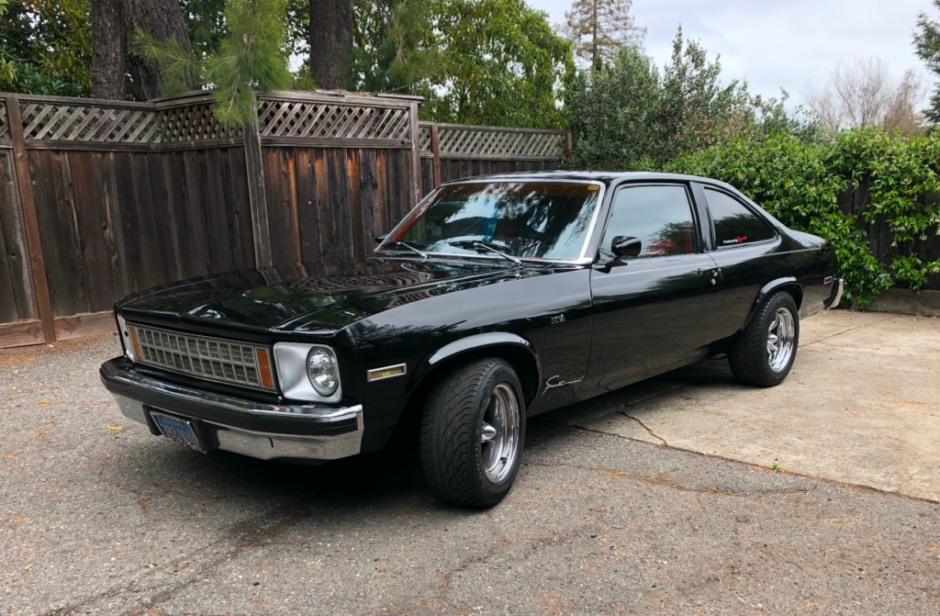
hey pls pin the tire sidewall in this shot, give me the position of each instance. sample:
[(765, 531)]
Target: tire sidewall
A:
[(501, 372)]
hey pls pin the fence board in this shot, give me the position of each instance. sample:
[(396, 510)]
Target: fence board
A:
[(16, 289)]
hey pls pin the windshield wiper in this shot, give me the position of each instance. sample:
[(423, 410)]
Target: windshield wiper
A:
[(485, 246), (423, 254)]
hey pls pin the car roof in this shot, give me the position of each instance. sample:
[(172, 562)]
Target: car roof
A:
[(607, 177)]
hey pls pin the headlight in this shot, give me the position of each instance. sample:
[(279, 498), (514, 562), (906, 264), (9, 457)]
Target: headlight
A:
[(322, 372), (308, 372)]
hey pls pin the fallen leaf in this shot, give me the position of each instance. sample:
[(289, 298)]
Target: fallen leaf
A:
[(115, 427), (51, 420), (71, 373), (51, 346), (13, 388), (27, 567), (42, 402)]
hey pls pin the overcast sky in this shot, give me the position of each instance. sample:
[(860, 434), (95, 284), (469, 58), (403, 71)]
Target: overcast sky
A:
[(777, 44)]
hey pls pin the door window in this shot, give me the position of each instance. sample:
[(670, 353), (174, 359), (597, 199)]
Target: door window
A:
[(734, 223), (659, 216)]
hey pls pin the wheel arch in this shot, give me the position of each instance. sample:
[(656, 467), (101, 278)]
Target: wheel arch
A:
[(789, 284)]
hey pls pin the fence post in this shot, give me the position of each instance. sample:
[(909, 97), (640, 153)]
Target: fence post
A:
[(24, 183), (415, 155), (436, 152), (568, 143), (260, 228)]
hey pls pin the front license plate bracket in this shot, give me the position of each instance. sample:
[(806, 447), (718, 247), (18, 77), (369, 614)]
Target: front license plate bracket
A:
[(183, 431)]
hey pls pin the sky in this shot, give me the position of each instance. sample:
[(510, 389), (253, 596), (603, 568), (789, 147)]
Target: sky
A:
[(790, 44)]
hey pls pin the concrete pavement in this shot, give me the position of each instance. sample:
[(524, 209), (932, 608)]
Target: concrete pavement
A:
[(99, 517)]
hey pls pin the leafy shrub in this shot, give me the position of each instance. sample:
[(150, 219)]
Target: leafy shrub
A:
[(803, 184)]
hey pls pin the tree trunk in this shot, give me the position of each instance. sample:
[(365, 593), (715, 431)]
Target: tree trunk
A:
[(107, 49), (594, 40), (330, 39), (162, 19)]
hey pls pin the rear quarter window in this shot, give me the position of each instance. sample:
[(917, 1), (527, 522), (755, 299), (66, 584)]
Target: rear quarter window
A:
[(735, 224)]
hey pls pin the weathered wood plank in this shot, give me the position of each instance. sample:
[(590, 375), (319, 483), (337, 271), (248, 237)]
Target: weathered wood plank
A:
[(257, 197), (359, 247), (384, 215), (308, 207), (236, 197), (13, 235), (325, 209), (276, 211), (130, 246), (30, 220), (87, 324), (369, 200), (340, 205), (21, 333), (195, 214), (94, 255), (222, 223)]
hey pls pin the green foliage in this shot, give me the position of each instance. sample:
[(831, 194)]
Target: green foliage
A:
[(248, 56), (392, 50), (45, 47), (501, 64), (629, 115), (803, 183)]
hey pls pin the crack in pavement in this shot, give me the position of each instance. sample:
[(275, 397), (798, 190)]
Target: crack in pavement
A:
[(851, 329), (657, 479), (662, 441)]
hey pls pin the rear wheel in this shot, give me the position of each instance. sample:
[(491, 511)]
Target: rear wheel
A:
[(764, 352), (472, 433)]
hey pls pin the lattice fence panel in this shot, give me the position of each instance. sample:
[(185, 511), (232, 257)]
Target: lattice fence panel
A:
[(474, 141), (424, 138), (4, 128), (47, 121), (315, 120), (194, 123)]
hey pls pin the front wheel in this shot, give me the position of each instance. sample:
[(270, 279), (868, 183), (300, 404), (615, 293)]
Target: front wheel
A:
[(764, 352), (472, 433)]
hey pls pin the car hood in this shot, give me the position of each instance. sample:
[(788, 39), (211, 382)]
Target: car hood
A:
[(288, 299)]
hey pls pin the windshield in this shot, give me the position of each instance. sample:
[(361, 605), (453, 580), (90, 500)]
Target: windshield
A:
[(525, 219)]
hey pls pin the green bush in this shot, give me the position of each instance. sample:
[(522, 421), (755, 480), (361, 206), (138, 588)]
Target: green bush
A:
[(801, 184)]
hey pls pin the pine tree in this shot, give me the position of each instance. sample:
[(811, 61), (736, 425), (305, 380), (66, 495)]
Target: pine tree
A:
[(598, 28)]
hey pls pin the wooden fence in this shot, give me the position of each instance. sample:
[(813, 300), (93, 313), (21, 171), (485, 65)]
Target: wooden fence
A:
[(101, 198)]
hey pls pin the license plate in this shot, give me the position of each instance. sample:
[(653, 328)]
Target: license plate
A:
[(178, 429)]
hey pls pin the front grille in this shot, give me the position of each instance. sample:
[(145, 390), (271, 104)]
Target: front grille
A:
[(212, 359)]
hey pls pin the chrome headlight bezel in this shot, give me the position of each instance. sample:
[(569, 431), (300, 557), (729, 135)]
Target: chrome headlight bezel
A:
[(290, 358), (126, 341)]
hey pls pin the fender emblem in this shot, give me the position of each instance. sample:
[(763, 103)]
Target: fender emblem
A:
[(558, 319), (556, 381)]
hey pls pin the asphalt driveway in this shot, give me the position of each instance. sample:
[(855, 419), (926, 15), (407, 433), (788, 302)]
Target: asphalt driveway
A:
[(618, 509)]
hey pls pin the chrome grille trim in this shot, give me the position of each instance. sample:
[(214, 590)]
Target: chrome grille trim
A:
[(201, 357)]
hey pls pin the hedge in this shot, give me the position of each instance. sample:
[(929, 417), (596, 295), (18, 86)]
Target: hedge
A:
[(840, 191)]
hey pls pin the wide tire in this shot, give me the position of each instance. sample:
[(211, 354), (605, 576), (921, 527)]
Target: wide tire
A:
[(765, 351), (455, 437)]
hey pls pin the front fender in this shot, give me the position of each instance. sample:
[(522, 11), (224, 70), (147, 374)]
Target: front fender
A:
[(468, 345)]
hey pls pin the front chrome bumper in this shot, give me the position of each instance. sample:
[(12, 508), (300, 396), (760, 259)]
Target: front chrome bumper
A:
[(256, 429)]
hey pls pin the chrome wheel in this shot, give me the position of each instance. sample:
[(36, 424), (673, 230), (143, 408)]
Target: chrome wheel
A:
[(499, 441), (780, 340)]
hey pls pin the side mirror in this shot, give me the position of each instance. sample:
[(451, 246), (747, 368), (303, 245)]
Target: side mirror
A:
[(380, 238), (626, 246)]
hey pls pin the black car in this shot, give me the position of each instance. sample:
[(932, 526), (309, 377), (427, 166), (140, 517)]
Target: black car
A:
[(495, 299)]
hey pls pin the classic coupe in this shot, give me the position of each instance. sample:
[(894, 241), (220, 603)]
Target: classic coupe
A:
[(497, 298)]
